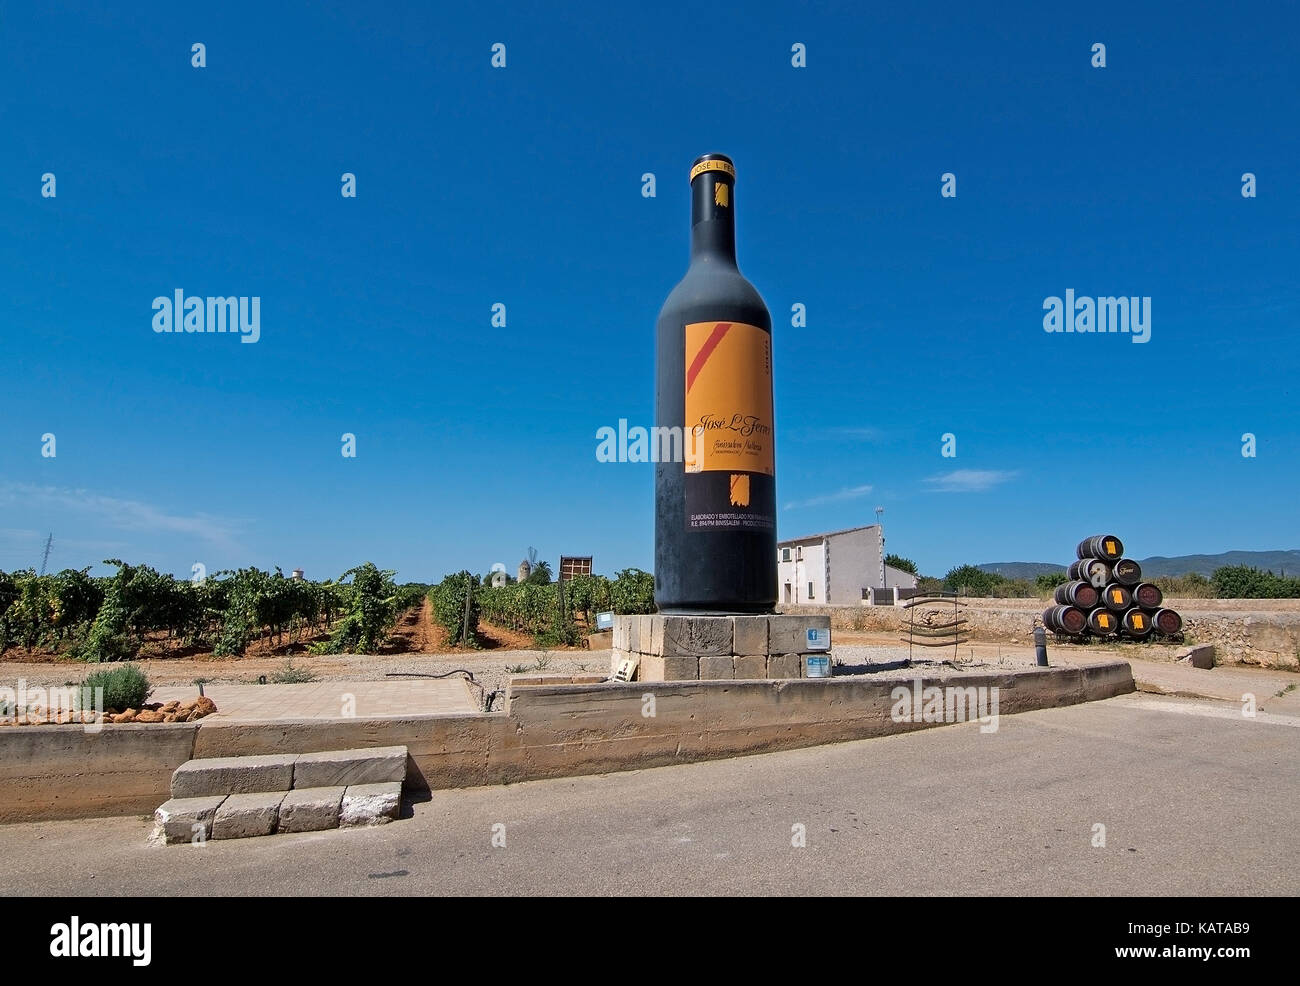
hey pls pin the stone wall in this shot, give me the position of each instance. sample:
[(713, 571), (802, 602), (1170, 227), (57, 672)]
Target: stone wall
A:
[(1263, 632)]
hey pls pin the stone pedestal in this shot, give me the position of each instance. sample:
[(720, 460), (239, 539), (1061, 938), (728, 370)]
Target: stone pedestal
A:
[(691, 648)]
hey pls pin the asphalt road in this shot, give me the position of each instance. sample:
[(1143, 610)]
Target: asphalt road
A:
[(1195, 800)]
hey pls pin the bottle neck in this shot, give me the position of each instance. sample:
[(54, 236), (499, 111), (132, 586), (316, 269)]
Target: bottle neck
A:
[(713, 218)]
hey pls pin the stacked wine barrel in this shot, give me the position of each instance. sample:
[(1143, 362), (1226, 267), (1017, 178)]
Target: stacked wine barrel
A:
[(1106, 597)]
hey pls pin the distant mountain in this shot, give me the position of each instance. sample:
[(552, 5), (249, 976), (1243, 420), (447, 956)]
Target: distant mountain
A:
[(1278, 562)]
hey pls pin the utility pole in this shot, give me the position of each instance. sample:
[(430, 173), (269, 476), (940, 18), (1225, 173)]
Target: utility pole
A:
[(49, 542), (880, 531)]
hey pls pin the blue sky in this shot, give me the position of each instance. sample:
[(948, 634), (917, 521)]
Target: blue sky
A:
[(522, 185)]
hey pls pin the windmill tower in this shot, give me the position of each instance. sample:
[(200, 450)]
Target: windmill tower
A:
[(527, 565)]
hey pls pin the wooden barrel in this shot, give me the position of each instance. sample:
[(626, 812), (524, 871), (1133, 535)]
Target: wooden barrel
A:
[(1126, 572), (1167, 621), (1065, 619), (1102, 621), (1081, 594), (1092, 570), (1107, 547), (1136, 623), (1116, 598), (1148, 595)]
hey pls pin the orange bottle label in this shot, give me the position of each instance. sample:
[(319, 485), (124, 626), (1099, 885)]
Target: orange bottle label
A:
[(728, 424)]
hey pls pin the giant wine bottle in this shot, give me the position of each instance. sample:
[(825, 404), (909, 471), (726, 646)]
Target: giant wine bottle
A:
[(715, 504)]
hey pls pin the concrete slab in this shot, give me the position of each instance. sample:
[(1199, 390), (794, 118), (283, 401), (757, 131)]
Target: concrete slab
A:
[(339, 768), (310, 809), (243, 816), (186, 819), (370, 804), (233, 775), (332, 699)]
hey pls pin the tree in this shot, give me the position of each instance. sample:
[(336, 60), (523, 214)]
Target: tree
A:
[(902, 564), (541, 574), (1048, 581), (971, 581)]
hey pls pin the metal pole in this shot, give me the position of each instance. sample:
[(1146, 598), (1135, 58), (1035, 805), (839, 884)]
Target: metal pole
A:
[(1040, 646)]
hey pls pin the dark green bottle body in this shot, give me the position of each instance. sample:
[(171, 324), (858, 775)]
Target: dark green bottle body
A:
[(715, 509)]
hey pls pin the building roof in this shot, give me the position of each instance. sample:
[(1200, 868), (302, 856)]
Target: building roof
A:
[(828, 534)]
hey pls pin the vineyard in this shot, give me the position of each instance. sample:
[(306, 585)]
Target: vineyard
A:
[(554, 613), (111, 618)]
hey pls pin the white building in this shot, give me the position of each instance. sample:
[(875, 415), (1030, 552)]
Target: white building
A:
[(835, 569)]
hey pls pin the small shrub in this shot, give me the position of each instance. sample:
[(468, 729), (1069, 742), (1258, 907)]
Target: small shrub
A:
[(289, 675), (125, 687)]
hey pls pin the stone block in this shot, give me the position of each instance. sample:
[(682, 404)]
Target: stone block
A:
[(750, 635), (654, 638), (176, 820), (311, 809), (233, 775), (716, 668), (784, 666), (242, 816), (1199, 656), (789, 634), (622, 632), (697, 636), (750, 665), (370, 804), (681, 668), (786, 634), (339, 768), (651, 668)]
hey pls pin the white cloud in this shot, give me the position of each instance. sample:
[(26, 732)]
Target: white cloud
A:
[(851, 493), (969, 480), (126, 515)]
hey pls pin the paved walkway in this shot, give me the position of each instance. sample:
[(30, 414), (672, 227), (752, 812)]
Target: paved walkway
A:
[(1229, 683), (331, 699)]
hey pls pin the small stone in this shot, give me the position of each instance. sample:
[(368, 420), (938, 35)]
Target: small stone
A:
[(1199, 656), (175, 820), (370, 804), (242, 816), (311, 809)]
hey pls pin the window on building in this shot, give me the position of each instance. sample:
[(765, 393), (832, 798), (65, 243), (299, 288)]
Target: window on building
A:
[(785, 554), (810, 591)]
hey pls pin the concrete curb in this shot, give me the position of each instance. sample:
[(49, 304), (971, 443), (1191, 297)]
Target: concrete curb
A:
[(548, 730)]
